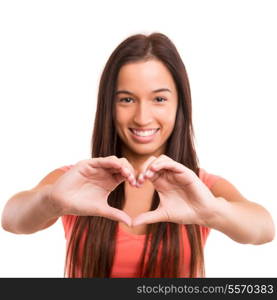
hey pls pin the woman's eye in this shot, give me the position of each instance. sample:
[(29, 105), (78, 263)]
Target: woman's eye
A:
[(129, 100), (160, 98), (126, 100)]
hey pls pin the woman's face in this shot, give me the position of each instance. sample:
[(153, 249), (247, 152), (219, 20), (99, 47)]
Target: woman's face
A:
[(145, 107)]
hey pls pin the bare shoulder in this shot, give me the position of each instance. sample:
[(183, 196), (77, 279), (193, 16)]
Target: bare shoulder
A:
[(227, 190)]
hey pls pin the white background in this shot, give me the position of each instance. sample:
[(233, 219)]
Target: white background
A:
[(51, 56)]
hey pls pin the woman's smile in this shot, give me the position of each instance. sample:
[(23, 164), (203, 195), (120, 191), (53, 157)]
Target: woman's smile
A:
[(143, 136)]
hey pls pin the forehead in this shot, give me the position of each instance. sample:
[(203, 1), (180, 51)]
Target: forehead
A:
[(147, 75)]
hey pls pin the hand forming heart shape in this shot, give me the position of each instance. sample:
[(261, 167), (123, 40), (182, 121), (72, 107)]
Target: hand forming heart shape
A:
[(184, 199)]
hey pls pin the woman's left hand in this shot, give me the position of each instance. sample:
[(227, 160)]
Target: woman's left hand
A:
[(184, 198)]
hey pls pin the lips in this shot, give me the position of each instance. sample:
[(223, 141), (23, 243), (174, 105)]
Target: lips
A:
[(146, 132), (143, 136)]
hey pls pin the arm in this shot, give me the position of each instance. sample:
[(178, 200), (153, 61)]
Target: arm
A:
[(185, 199), (243, 221), (30, 211)]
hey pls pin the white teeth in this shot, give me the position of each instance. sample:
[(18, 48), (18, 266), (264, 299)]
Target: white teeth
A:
[(144, 133)]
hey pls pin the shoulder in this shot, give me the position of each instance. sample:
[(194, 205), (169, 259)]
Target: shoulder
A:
[(220, 186), (65, 168), (52, 176), (208, 178)]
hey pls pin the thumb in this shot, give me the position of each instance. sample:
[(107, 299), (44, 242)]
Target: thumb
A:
[(149, 217), (116, 215)]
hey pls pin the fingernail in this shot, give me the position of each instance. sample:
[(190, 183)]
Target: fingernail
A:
[(149, 173), (132, 177), (140, 176)]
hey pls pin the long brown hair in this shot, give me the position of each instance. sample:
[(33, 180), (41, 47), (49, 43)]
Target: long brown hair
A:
[(95, 257)]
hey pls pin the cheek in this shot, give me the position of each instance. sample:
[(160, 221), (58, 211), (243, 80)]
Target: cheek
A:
[(120, 117), (167, 118), (169, 125)]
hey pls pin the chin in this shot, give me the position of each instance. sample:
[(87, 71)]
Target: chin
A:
[(142, 150)]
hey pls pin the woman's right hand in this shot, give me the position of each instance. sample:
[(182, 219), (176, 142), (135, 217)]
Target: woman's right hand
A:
[(84, 189)]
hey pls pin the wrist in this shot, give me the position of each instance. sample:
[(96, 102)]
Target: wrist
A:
[(51, 206), (214, 216)]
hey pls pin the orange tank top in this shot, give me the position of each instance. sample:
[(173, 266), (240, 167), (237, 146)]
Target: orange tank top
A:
[(126, 262)]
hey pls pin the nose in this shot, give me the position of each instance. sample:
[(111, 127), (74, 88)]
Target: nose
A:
[(143, 115)]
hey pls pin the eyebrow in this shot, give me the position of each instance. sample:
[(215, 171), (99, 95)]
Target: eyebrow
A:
[(130, 93)]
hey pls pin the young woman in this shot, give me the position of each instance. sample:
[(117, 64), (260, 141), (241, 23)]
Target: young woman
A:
[(141, 206)]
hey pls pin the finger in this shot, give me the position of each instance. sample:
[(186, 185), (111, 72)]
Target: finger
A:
[(147, 173), (169, 165), (124, 174), (104, 162), (154, 160), (115, 165), (148, 162), (128, 170), (116, 215), (120, 178), (127, 164), (150, 217), (144, 167)]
